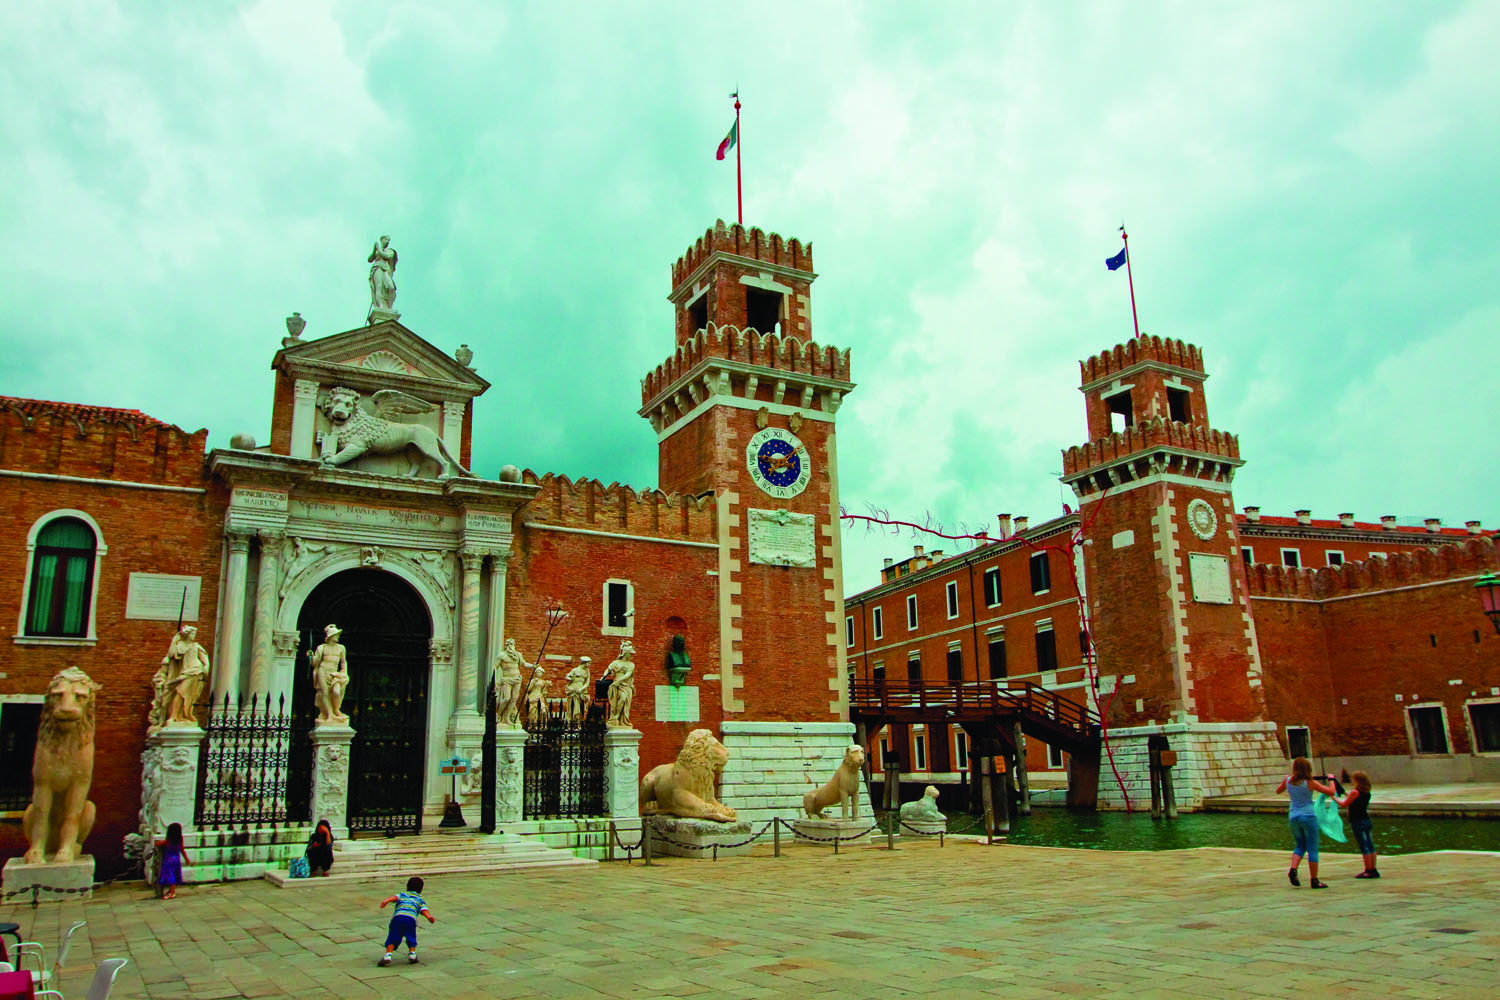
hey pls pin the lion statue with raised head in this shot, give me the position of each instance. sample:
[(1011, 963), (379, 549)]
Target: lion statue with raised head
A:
[(688, 787), (60, 815), (355, 431)]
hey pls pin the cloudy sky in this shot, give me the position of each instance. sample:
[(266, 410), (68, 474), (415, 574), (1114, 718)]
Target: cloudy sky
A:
[(1311, 191)]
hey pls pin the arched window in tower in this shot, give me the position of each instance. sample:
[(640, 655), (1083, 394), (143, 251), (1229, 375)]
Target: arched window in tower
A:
[(62, 579)]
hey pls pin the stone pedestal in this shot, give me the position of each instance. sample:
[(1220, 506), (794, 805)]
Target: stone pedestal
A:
[(170, 778), (924, 827), (698, 838), (822, 831), (510, 773), (622, 763), (466, 740), (60, 883), (330, 777)]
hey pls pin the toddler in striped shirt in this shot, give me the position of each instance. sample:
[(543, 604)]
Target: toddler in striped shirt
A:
[(404, 924)]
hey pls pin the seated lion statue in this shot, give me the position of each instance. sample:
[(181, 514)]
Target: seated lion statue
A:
[(687, 788), (60, 815)]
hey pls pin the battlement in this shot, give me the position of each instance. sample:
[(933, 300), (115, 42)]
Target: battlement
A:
[(749, 347), (754, 243), (98, 442), (1156, 432), (1145, 348), (588, 503), (1372, 576)]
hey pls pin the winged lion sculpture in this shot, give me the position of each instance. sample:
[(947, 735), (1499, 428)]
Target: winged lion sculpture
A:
[(356, 431)]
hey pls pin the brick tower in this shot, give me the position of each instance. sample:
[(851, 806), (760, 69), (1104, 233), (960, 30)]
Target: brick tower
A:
[(744, 408), (1171, 616)]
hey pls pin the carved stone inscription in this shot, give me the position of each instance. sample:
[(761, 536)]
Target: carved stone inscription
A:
[(160, 597), (781, 538), (248, 499), (389, 517), (1210, 578)]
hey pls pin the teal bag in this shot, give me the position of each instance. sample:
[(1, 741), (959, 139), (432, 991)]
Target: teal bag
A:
[(1330, 823), (301, 869)]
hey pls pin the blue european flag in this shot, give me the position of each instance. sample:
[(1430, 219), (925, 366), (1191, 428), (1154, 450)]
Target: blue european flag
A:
[(1116, 262)]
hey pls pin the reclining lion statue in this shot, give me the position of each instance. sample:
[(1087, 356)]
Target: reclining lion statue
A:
[(60, 815), (687, 788), (356, 432)]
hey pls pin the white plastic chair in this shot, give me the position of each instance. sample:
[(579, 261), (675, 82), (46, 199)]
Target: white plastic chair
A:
[(41, 975), (104, 981)]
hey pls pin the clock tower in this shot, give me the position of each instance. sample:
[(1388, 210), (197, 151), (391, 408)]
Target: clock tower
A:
[(744, 414)]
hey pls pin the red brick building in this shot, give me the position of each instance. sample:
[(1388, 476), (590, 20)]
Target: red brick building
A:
[(738, 552), (1362, 644)]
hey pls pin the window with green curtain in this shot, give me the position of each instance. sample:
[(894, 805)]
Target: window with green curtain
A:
[(62, 576)]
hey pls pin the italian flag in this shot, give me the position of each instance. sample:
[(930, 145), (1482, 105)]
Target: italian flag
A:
[(729, 140)]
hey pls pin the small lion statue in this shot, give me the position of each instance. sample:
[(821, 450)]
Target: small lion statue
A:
[(923, 810), (356, 432), (842, 788), (687, 788), (60, 815)]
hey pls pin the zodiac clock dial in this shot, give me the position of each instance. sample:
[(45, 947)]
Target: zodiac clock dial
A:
[(778, 462)]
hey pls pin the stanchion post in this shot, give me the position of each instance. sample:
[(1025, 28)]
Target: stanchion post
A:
[(776, 835), (646, 840), (609, 844)]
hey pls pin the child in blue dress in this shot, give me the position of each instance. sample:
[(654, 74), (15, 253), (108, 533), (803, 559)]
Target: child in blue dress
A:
[(409, 905), (173, 857)]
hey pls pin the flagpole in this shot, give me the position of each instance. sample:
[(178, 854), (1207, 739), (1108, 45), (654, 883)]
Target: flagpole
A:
[(739, 194), (1130, 279)]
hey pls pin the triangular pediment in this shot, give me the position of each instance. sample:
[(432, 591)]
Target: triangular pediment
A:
[(385, 354)]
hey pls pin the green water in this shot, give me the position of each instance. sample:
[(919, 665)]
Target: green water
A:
[(1116, 831)]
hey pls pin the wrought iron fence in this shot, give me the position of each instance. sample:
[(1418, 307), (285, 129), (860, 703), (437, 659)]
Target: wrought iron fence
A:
[(565, 774), (244, 767)]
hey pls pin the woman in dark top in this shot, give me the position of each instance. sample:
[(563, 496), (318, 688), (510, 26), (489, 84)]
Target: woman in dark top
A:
[(320, 849), (1358, 802)]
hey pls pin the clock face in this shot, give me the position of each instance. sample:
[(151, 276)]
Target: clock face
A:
[(1202, 519), (778, 462)]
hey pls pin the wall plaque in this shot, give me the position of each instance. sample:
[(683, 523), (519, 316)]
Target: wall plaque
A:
[(158, 597), (1210, 578), (676, 704), (248, 499), (781, 538)]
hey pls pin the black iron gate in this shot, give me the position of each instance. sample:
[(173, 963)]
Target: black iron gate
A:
[(565, 774), (385, 635)]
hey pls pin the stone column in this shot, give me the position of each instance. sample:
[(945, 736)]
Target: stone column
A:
[(171, 795), (232, 628), (304, 418), (468, 645), (510, 774), (330, 777), (267, 604), (498, 563), (622, 763), (453, 426)]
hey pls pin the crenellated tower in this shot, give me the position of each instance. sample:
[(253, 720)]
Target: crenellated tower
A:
[(1165, 581), (744, 409)]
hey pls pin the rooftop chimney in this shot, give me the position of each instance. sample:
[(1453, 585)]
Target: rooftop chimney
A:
[(1304, 517), (1388, 522), (1434, 524), (1005, 528), (916, 550), (888, 562), (1473, 527), (1252, 514), (1346, 520), (1021, 522)]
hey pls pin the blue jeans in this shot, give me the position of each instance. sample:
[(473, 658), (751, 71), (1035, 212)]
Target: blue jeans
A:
[(1362, 836), (1305, 831), (402, 927)]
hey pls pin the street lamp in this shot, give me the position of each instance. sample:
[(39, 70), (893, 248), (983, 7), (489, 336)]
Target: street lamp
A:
[(1489, 597)]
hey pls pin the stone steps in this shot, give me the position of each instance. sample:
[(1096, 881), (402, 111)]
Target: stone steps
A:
[(434, 854)]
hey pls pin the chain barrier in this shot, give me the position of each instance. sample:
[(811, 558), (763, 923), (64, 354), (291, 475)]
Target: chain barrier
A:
[(658, 835), (629, 849), (835, 839), (36, 891)]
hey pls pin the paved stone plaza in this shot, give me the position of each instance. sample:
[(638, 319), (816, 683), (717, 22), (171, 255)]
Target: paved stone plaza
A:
[(960, 921)]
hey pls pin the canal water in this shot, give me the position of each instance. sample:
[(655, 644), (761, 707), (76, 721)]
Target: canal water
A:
[(1117, 831)]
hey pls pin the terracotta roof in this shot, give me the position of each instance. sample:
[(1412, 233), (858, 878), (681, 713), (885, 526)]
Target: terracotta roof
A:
[(80, 412), (1319, 524)]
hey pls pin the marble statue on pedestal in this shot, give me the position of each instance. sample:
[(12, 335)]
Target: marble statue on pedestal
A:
[(382, 263), (923, 810), (621, 673), (60, 815), (537, 693), (356, 432), (688, 788), (330, 671), (508, 671), (178, 683), (842, 788), (576, 691)]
